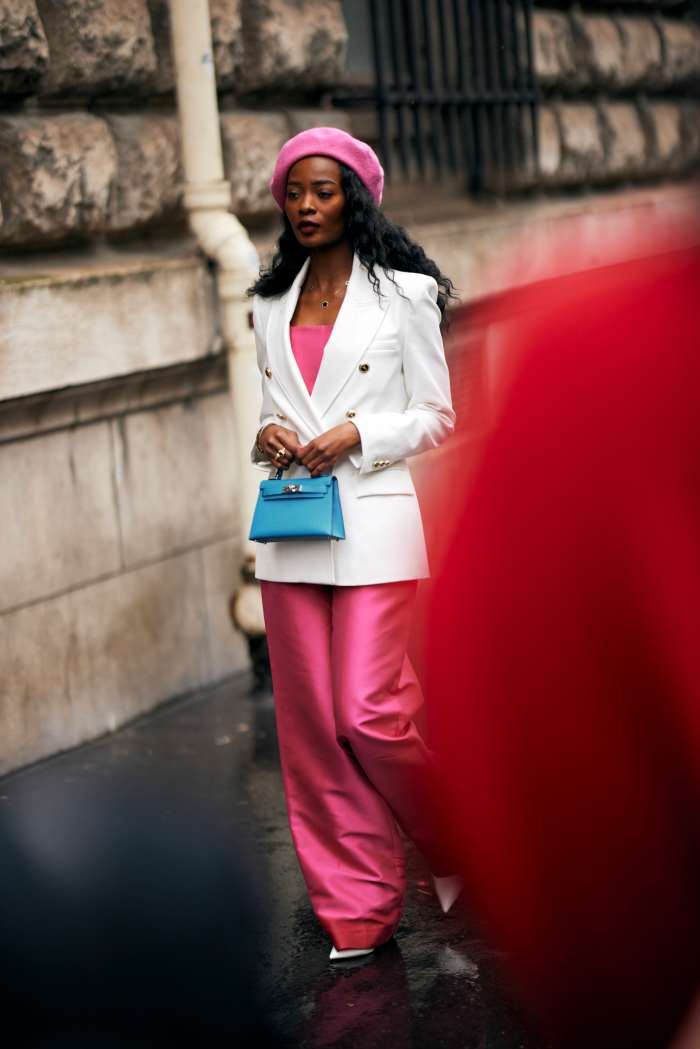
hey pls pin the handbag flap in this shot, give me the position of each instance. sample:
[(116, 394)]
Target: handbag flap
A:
[(299, 488)]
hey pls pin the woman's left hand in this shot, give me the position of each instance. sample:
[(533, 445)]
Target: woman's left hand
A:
[(320, 455)]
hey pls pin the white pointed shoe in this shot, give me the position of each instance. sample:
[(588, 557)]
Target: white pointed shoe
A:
[(356, 952), (447, 890)]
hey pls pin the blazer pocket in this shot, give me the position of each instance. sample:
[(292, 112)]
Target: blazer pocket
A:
[(389, 481), (384, 346)]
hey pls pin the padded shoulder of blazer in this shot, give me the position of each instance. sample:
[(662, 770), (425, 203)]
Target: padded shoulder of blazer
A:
[(413, 285)]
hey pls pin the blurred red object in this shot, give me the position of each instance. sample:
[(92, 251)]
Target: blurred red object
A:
[(564, 656)]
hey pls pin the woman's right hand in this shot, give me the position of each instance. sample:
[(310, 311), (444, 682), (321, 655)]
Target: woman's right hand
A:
[(273, 438)]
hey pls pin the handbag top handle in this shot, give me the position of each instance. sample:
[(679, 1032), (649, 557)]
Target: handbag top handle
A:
[(280, 473)]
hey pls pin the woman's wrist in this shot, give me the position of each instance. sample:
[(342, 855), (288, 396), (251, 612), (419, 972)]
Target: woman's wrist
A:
[(353, 435), (258, 436)]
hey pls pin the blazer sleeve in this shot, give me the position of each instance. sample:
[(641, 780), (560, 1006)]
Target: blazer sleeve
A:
[(428, 417), (267, 413)]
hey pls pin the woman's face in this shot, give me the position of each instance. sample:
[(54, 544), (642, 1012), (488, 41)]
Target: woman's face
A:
[(315, 204)]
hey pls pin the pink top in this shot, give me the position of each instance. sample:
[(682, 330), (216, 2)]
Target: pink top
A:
[(308, 343)]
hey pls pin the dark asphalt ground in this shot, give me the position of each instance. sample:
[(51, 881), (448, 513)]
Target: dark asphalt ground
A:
[(433, 986)]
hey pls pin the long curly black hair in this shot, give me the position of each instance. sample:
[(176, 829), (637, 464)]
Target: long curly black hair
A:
[(376, 240)]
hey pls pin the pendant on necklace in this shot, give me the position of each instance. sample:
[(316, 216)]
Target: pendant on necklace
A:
[(324, 304)]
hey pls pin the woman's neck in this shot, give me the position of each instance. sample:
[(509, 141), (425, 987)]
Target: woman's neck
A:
[(330, 267)]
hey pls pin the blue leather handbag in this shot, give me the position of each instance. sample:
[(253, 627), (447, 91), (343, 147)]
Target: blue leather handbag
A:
[(305, 508)]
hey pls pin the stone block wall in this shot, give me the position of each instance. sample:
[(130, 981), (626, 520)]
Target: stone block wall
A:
[(88, 131), (119, 609), (93, 48), (620, 93), (88, 128), (120, 525)]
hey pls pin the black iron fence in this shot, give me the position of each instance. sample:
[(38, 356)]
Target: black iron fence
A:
[(454, 88)]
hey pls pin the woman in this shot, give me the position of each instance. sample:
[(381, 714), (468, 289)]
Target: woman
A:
[(354, 379)]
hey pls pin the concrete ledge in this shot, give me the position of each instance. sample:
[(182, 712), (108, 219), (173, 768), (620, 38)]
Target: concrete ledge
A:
[(55, 410), (106, 320)]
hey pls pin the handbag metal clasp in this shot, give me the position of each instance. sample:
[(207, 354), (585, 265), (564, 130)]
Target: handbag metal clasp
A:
[(291, 488)]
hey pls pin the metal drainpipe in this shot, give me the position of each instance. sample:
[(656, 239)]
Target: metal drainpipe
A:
[(223, 239)]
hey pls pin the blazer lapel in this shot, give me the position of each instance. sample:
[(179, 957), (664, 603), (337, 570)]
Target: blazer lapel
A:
[(284, 366), (357, 323)]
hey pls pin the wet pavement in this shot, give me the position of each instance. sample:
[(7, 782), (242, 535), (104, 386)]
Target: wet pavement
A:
[(434, 985)]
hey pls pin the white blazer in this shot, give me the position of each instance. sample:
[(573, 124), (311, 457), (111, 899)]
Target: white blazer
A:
[(383, 367)]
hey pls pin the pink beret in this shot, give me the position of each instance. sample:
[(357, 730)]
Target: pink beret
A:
[(328, 142)]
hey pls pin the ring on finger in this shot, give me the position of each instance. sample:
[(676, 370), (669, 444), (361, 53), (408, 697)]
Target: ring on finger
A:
[(280, 453)]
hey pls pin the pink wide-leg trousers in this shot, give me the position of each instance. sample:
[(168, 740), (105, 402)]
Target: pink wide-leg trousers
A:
[(353, 760)]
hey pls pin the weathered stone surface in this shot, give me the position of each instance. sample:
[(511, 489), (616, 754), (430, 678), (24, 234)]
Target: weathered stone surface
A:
[(301, 119), (624, 139), (164, 77), (549, 141), (555, 56), (251, 142), (690, 132), (613, 141), (227, 646), (148, 181), (290, 46), (84, 663), (59, 522), (36, 711), (642, 55), (107, 320), (599, 42), (52, 410), (583, 151), (227, 41), (175, 477), (24, 52), (614, 52), (580, 143), (97, 46), (55, 177), (681, 41), (663, 123)]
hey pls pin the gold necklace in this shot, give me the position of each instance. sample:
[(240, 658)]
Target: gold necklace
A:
[(325, 303)]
